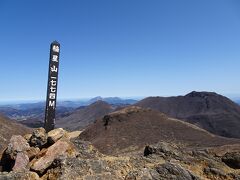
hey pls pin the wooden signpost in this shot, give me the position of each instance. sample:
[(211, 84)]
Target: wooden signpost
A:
[(51, 100)]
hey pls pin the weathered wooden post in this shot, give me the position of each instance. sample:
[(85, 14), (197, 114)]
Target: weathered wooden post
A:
[(51, 100)]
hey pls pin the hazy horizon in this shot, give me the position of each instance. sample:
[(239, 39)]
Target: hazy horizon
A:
[(9, 102)]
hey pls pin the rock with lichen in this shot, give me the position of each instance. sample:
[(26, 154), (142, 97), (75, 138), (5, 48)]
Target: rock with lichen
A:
[(17, 144), (24, 175), (39, 138)]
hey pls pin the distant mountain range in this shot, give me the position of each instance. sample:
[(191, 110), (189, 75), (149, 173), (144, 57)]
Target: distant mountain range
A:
[(32, 114), (210, 111), (71, 104), (112, 100)]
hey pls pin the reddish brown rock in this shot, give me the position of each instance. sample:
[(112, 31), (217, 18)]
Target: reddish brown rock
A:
[(17, 144), (59, 149), (32, 152), (55, 135), (27, 137), (21, 162), (74, 134)]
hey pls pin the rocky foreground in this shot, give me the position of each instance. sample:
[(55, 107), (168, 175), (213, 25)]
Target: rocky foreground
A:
[(63, 155)]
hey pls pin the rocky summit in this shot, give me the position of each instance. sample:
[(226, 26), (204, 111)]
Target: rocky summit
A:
[(59, 154)]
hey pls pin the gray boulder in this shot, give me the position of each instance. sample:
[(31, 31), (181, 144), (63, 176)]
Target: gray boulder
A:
[(39, 138), (174, 171), (161, 148), (232, 159)]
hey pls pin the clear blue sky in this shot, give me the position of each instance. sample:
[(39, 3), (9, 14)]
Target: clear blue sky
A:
[(120, 47)]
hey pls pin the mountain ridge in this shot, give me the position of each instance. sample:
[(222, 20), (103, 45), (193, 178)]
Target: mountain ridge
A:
[(208, 110), (135, 127)]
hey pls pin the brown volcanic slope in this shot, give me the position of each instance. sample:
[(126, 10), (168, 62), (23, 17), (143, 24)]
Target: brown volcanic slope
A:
[(81, 118), (215, 113), (134, 127), (8, 128)]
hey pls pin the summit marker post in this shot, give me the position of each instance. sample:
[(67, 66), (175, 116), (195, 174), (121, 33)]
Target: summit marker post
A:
[(51, 100)]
